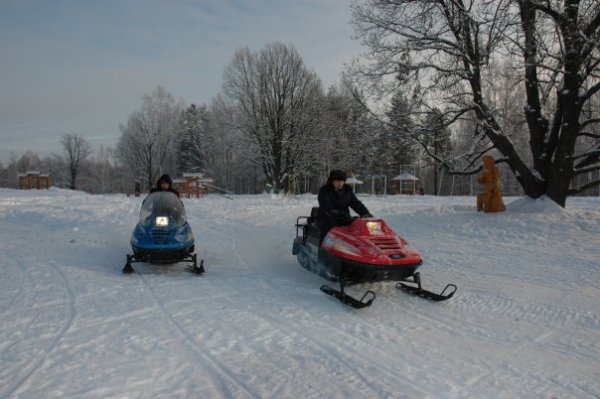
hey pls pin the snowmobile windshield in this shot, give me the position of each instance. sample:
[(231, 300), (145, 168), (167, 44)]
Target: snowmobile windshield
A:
[(162, 209)]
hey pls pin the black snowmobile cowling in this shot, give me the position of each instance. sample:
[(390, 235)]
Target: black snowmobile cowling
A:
[(365, 251)]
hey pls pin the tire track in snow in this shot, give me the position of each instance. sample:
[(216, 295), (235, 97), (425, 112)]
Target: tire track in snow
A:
[(20, 295), (510, 313), (199, 354), (343, 347), (329, 346), (435, 322), (35, 364), (339, 344), (241, 261), (212, 228)]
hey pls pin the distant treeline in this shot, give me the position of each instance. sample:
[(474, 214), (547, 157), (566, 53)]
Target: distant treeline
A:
[(276, 128)]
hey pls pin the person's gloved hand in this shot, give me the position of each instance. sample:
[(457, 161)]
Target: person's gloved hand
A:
[(367, 215)]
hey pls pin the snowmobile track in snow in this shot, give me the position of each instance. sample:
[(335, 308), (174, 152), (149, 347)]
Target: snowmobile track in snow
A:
[(202, 359), (339, 343), (34, 364)]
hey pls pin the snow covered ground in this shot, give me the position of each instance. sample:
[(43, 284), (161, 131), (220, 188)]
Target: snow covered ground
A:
[(525, 322)]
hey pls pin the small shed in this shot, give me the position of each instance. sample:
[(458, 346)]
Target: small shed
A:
[(33, 179), (407, 184)]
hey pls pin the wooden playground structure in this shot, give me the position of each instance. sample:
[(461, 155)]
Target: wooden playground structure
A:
[(192, 185)]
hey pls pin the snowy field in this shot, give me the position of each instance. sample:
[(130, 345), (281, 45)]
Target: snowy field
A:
[(524, 323)]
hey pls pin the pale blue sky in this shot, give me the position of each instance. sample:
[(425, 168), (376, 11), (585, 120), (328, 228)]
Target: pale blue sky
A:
[(82, 66)]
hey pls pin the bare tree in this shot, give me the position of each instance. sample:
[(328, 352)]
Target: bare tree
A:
[(102, 175), (77, 151), (147, 140), (441, 51), (277, 98), (230, 152)]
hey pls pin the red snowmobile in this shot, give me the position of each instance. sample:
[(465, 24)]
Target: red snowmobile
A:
[(365, 251)]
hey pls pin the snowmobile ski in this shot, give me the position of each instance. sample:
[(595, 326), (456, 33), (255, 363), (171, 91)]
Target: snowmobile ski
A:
[(192, 258), (418, 289), (195, 268), (127, 269), (366, 300)]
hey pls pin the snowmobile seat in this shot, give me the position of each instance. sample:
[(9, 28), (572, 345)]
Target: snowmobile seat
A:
[(314, 213), (312, 228)]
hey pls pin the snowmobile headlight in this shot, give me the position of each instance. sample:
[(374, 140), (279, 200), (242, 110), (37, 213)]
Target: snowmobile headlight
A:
[(161, 221), (374, 227)]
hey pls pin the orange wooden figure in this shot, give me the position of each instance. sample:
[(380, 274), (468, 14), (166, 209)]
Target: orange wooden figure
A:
[(490, 200)]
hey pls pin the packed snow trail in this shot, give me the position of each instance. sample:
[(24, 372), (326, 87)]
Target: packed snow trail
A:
[(524, 322)]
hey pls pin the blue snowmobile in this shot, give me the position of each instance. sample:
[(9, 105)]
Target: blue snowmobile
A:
[(163, 234)]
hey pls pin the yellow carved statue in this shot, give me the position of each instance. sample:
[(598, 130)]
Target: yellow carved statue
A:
[(490, 200)]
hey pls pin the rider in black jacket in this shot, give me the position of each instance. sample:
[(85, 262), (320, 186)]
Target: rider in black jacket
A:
[(164, 183), (336, 198)]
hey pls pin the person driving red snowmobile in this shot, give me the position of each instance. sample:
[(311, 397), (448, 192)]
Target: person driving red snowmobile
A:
[(351, 250), (336, 198)]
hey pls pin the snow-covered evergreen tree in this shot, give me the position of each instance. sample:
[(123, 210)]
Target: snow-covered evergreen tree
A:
[(192, 139)]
